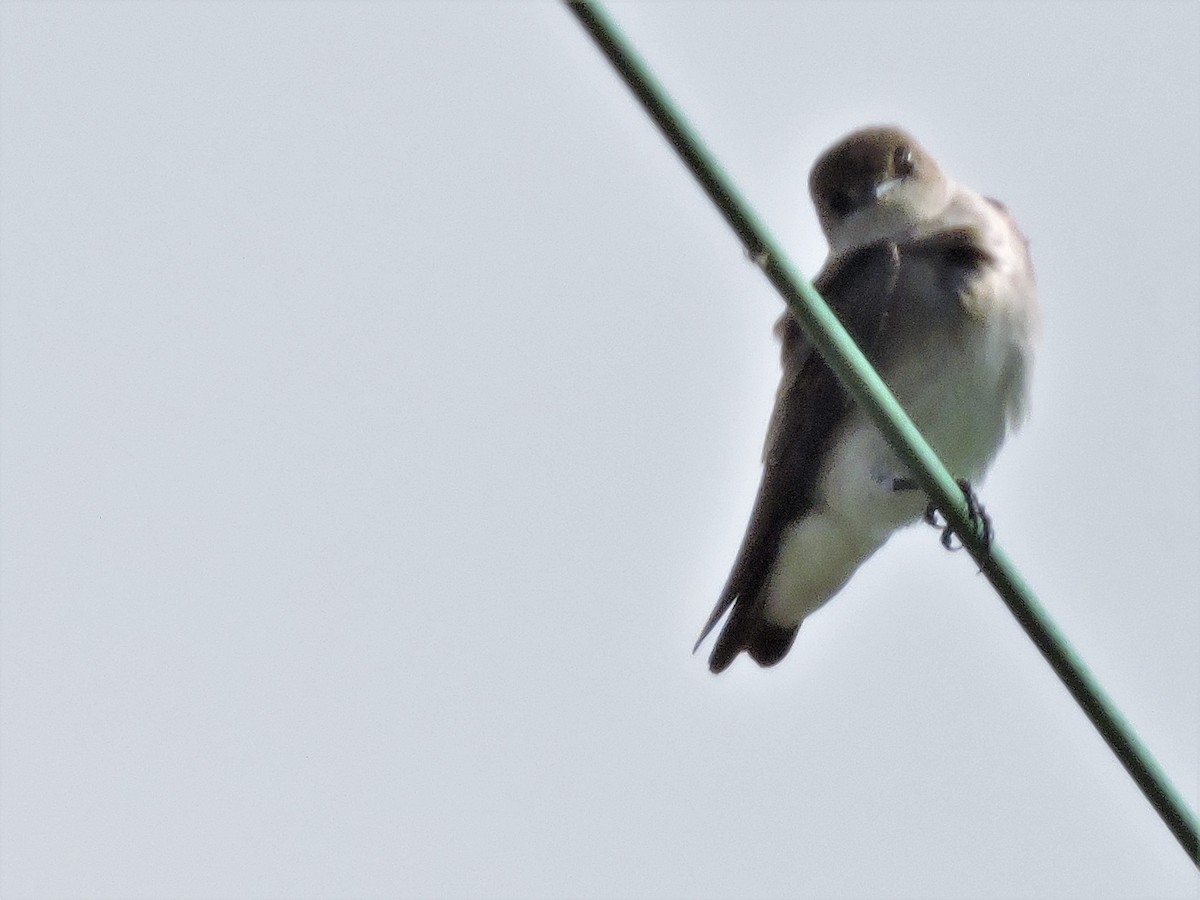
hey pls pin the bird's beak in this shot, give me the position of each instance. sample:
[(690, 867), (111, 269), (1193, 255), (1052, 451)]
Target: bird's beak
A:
[(885, 187)]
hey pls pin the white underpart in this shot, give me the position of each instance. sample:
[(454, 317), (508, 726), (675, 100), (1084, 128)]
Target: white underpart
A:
[(964, 417)]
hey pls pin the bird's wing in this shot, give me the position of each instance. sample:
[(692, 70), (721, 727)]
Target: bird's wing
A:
[(871, 290)]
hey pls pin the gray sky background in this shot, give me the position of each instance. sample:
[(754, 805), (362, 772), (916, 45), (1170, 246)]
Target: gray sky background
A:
[(381, 405)]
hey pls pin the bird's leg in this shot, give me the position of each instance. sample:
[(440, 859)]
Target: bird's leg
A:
[(931, 513), (931, 517), (975, 512)]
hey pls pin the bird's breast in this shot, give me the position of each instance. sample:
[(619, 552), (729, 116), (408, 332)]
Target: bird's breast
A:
[(962, 385)]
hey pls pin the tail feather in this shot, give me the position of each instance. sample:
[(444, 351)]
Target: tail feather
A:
[(770, 643), (746, 627), (766, 642)]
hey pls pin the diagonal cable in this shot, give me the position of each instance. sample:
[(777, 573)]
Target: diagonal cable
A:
[(842, 355)]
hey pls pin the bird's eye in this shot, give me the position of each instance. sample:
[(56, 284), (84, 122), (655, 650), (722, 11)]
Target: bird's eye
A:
[(841, 203), (902, 162)]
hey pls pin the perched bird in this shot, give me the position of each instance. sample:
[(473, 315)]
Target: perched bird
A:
[(935, 284)]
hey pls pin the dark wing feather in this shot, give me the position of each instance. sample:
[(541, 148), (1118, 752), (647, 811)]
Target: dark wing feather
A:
[(809, 405), (873, 290)]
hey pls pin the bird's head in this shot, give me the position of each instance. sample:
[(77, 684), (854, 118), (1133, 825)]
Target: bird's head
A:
[(873, 184)]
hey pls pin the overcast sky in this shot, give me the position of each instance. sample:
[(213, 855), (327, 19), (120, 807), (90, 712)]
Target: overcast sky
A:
[(380, 412)]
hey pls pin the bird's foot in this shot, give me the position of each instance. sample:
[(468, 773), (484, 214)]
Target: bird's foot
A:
[(975, 512)]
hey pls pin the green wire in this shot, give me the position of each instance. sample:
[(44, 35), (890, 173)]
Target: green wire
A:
[(842, 355)]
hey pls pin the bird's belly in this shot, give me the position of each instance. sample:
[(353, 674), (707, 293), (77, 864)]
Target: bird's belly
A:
[(959, 402), (817, 555), (858, 505)]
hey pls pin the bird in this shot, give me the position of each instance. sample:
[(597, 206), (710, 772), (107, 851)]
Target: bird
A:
[(935, 284)]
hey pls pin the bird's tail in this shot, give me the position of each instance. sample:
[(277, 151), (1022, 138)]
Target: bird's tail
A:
[(766, 642)]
